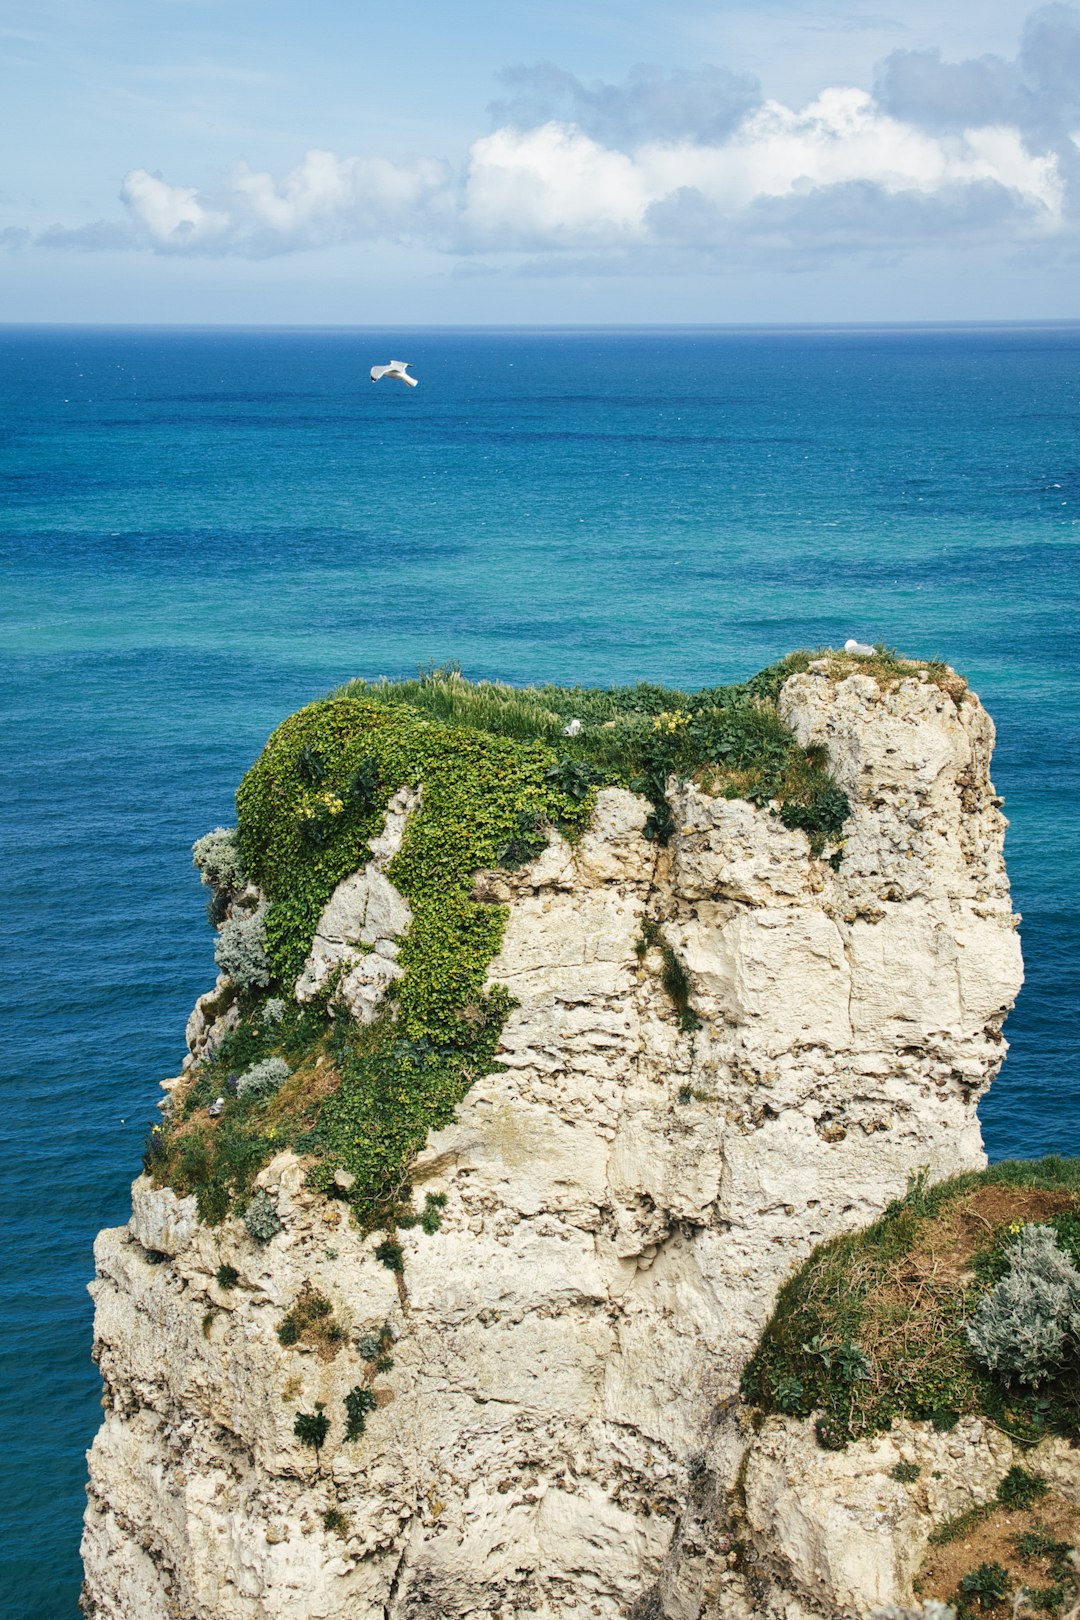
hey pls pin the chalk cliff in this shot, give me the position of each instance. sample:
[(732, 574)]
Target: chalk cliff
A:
[(624, 1195)]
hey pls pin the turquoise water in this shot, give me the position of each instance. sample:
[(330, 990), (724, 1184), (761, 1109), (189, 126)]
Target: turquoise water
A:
[(202, 530)]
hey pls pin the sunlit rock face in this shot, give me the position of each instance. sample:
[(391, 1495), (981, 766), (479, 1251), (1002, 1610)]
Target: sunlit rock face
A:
[(624, 1198)]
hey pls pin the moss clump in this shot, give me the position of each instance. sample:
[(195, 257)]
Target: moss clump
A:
[(497, 769), (872, 1328), (311, 1321)]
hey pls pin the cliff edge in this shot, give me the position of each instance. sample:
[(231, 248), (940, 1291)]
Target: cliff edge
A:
[(455, 1337)]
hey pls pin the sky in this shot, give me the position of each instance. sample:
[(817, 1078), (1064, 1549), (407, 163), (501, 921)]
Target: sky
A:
[(349, 162)]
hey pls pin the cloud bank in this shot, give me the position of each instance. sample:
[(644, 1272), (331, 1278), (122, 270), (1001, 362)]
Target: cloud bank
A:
[(684, 167)]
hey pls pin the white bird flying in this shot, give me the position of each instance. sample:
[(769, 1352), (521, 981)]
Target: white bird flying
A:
[(858, 649), (396, 368)]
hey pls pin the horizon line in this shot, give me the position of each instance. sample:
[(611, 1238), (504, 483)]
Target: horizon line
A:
[(1004, 322)]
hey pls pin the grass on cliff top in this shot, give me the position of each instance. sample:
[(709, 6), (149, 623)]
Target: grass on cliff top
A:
[(871, 1328), (497, 770)]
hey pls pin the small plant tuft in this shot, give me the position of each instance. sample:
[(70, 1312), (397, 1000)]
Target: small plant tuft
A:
[(358, 1403), (261, 1217), (790, 1396), (310, 766), (216, 855), (831, 1436), (390, 1254), (984, 1588), (1019, 1489), (310, 1320), (362, 786), (431, 1218), (905, 1473), (1028, 1326), (227, 1276), (264, 1078), (312, 1428), (240, 950)]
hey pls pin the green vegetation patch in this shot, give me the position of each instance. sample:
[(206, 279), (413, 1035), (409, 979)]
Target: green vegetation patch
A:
[(311, 1321), (874, 1325), (497, 769)]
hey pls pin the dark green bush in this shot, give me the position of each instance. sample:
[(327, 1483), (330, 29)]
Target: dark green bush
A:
[(1019, 1489), (358, 1403), (984, 1588), (312, 1428), (310, 766), (431, 1219), (227, 1276), (362, 786)]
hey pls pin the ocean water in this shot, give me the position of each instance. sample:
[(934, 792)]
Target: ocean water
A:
[(201, 530)]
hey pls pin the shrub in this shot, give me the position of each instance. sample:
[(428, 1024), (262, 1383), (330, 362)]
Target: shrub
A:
[(153, 1147), (985, 1587), (362, 786), (905, 1473), (217, 856), (312, 1428), (310, 766), (831, 1436), (227, 1276), (1019, 1489), (261, 1217), (1028, 1325), (240, 950), (335, 1521), (264, 1078), (273, 1011), (574, 777), (431, 1219), (391, 1255), (311, 1320), (527, 842), (358, 1403), (790, 1396)]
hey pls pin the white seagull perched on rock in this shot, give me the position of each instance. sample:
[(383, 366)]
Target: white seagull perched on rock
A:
[(858, 649), (396, 368)]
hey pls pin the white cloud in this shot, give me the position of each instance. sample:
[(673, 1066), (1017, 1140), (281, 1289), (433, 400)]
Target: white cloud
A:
[(172, 216), (324, 199), (681, 163), (555, 188), (551, 186)]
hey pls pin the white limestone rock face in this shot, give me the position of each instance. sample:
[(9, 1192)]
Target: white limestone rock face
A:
[(623, 1200), (827, 1533), (362, 924)]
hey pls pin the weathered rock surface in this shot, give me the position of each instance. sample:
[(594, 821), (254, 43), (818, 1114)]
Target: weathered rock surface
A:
[(624, 1199), (360, 929), (835, 1533)]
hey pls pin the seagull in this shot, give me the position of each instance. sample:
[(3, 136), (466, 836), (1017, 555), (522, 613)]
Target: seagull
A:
[(572, 729), (396, 368), (858, 649)]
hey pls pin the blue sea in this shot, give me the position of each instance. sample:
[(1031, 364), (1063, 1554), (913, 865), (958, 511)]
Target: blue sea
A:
[(201, 530)]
